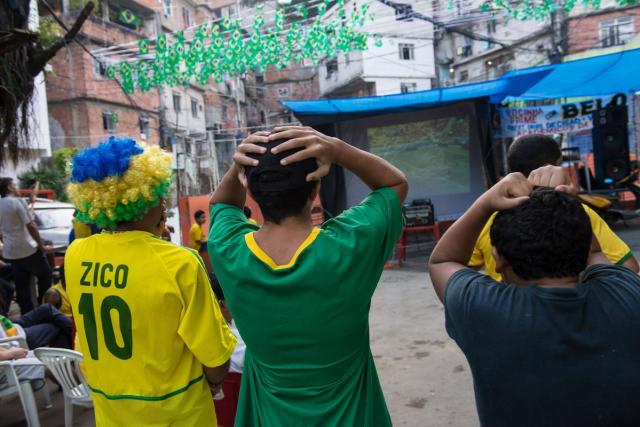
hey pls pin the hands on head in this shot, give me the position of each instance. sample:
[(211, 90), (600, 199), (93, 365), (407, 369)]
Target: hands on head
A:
[(314, 144), (515, 188)]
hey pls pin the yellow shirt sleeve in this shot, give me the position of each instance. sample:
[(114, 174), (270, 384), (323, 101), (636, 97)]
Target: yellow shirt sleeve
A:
[(612, 246), (202, 327), (482, 256), (195, 234), (65, 306)]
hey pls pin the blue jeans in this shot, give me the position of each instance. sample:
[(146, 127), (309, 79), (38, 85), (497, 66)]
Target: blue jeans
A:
[(46, 326)]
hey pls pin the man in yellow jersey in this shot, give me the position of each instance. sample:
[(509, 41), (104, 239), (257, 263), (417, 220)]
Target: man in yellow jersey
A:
[(153, 338), (197, 239), (538, 157)]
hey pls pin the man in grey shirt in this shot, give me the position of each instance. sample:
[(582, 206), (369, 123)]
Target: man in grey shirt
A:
[(22, 245)]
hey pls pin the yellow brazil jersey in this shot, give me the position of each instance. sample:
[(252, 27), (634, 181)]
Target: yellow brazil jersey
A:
[(65, 306), (612, 246), (147, 322), (195, 234)]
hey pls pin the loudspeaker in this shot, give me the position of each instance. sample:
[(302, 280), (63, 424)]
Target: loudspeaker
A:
[(610, 137)]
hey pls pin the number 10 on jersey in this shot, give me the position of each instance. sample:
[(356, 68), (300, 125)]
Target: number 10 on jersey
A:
[(111, 303)]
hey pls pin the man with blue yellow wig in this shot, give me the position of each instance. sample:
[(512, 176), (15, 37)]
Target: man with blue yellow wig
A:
[(153, 338)]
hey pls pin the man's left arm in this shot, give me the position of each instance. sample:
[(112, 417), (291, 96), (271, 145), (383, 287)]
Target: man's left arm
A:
[(454, 249), (232, 190)]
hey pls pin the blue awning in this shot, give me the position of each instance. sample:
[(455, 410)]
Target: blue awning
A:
[(496, 90), (595, 76)]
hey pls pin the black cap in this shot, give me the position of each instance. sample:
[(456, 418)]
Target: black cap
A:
[(280, 177)]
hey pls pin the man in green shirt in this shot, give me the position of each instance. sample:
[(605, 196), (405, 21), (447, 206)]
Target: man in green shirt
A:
[(300, 295)]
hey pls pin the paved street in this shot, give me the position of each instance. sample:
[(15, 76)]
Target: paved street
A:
[(424, 375)]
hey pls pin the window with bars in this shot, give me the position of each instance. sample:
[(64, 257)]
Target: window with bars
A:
[(616, 32), (194, 108), (109, 121), (176, 102), (167, 7), (186, 17), (406, 51), (143, 122), (408, 87)]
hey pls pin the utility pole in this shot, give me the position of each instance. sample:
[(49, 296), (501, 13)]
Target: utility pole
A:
[(238, 119)]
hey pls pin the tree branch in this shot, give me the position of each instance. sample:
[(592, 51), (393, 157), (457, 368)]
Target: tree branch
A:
[(39, 59)]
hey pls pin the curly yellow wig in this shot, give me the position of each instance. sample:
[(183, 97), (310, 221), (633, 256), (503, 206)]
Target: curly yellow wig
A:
[(118, 181)]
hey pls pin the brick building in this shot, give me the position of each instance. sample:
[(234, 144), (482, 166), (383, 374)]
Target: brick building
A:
[(600, 31), (84, 106)]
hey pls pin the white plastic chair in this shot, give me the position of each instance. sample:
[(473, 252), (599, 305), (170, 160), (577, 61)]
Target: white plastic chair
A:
[(24, 391), (21, 341), (65, 366)]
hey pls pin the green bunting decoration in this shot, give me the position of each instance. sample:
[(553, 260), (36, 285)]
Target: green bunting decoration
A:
[(223, 48), (540, 9)]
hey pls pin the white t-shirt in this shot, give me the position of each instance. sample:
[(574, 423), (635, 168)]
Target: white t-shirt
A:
[(237, 357), (14, 216)]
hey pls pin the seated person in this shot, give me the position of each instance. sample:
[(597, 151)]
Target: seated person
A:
[(529, 155), (43, 326), (33, 372), (557, 343), (57, 295)]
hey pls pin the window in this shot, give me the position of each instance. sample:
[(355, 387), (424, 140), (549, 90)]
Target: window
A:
[(616, 32), (109, 121), (408, 87), (283, 92), (194, 108), (99, 68), (176, 102), (491, 27), (186, 17), (406, 51), (464, 75), (404, 12), (167, 7), (225, 112), (143, 122), (332, 67)]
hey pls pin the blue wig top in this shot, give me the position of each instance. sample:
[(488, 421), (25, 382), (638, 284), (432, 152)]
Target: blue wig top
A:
[(109, 158)]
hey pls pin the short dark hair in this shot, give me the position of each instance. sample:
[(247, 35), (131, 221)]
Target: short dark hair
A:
[(198, 214), (4, 186), (531, 152), (548, 235), (247, 211), (278, 205)]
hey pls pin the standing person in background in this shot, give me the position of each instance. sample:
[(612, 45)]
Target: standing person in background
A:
[(539, 157), (22, 248), (153, 338), (300, 295), (197, 238)]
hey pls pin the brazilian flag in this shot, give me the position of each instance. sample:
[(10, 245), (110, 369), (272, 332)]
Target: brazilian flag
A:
[(129, 17)]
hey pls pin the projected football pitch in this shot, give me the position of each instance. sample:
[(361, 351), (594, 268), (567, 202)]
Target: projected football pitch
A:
[(434, 154)]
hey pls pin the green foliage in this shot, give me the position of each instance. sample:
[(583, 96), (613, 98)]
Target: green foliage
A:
[(49, 31), (50, 179), (62, 159)]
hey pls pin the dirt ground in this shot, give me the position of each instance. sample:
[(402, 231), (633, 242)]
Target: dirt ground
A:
[(424, 375)]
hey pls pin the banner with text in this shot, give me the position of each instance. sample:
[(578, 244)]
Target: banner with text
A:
[(542, 120)]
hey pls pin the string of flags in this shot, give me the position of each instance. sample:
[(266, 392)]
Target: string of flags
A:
[(223, 48), (541, 9)]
